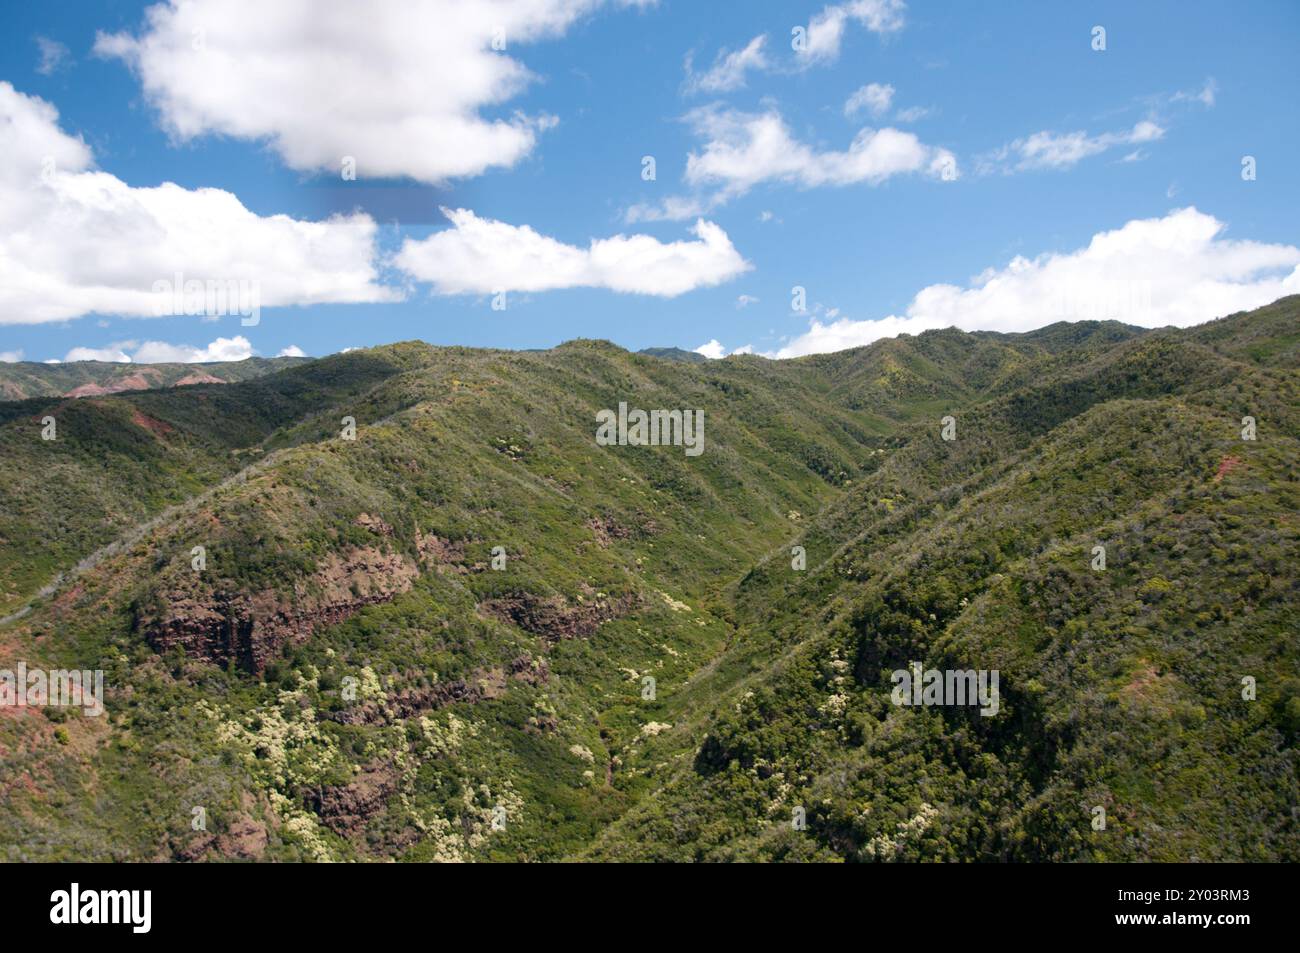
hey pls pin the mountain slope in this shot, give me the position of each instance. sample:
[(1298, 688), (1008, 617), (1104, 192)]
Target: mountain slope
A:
[(112, 462), (475, 633), (1121, 689)]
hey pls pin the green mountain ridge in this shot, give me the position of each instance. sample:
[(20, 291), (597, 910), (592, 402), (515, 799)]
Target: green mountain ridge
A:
[(473, 633)]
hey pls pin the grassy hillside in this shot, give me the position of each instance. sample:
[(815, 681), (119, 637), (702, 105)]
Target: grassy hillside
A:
[(473, 633)]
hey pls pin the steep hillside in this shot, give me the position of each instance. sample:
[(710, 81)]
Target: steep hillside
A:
[(473, 632), (1120, 688), (111, 463)]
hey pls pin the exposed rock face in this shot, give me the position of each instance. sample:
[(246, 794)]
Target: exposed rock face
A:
[(375, 524), (143, 379), (154, 426), (198, 377), (532, 671), (607, 529), (444, 554), (1226, 466), (253, 630), (480, 685), (347, 809), (246, 839), (553, 617)]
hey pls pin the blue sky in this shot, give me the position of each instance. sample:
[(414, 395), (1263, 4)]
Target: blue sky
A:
[(1051, 143)]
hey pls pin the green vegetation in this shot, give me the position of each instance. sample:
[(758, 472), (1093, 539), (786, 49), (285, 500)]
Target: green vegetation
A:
[(350, 678)]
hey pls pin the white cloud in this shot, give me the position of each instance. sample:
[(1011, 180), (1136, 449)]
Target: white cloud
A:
[(912, 113), (729, 68), (1205, 95), (874, 97), (744, 301), (160, 352), (292, 350), (1177, 270), (75, 241), (1054, 150), (675, 208), (112, 354), (826, 29), (479, 255), (222, 349), (11, 357), (716, 350), (399, 86), (744, 149), (54, 56)]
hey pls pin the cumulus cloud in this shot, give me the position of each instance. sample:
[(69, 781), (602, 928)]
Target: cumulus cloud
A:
[(292, 350), (77, 241), (1055, 150), (742, 150), (11, 357), (1176, 270), (112, 354), (716, 350), (826, 29), (160, 352), (480, 255), (729, 68), (874, 97), (400, 86)]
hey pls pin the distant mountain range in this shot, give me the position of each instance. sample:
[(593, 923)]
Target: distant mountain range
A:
[(674, 354), (24, 379), (399, 603)]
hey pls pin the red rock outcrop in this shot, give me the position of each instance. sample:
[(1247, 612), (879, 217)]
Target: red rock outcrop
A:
[(445, 554), (478, 686), (346, 809), (198, 377), (219, 627), (554, 617)]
